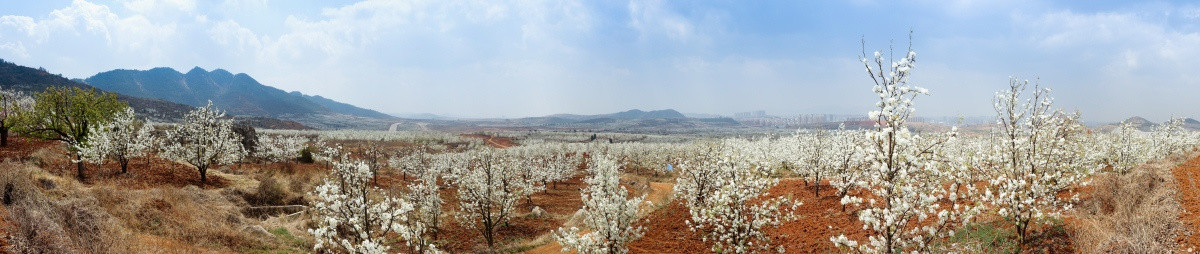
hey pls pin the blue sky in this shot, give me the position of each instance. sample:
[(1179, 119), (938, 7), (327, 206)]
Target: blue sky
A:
[(1107, 59)]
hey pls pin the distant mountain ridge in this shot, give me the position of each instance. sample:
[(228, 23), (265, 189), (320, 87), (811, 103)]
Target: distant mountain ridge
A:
[(30, 80), (624, 115), (1191, 124), (237, 94), (342, 107), (666, 120), (1142, 124)]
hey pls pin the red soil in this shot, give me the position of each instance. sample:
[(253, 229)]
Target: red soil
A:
[(1187, 178), (559, 203), (20, 148), (142, 172), (818, 219)]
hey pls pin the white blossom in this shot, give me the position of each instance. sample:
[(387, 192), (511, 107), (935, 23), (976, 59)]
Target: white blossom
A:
[(204, 139), (352, 216), (902, 171), (606, 212), (278, 148), (488, 189), (726, 196), (121, 139), (1039, 155)]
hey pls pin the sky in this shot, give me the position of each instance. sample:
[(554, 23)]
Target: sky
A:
[(1107, 59)]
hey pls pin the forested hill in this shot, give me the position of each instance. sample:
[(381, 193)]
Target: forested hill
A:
[(30, 80), (238, 94)]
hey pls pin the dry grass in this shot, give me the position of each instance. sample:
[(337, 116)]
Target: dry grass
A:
[(205, 218), (43, 219), (154, 208), (46, 156), (1132, 213), (52, 214)]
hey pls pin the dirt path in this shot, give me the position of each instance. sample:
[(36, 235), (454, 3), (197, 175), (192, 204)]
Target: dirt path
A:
[(1187, 176), (492, 141), (658, 194)]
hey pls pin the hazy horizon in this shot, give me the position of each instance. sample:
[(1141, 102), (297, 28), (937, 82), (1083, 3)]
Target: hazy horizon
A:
[(1109, 60)]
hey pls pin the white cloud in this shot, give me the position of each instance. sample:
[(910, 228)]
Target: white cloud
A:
[(152, 6), (21, 23), (240, 39), (88, 34), (1115, 54), (651, 19), (15, 47), (243, 4), (1119, 40), (1190, 12)]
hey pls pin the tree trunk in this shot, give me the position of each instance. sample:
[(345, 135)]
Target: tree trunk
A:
[(124, 164), (488, 238), (3, 135), (817, 187), (434, 228), (204, 175), (79, 167)]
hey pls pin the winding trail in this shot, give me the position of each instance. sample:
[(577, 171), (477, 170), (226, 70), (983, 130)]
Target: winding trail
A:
[(492, 141)]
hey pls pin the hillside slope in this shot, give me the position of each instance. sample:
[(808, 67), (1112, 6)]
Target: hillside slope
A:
[(238, 94), (30, 80)]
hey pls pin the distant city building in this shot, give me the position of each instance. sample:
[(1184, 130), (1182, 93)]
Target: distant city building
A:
[(751, 114)]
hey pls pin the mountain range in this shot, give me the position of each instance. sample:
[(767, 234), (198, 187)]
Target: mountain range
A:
[(1142, 124), (655, 121), (30, 81), (237, 94)]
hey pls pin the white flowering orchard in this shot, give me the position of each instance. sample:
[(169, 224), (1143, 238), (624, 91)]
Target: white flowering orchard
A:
[(901, 170), (352, 216), (121, 139), (204, 139), (12, 103), (424, 221), (279, 148), (1038, 157), (726, 197), (607, 212), (488, 190)]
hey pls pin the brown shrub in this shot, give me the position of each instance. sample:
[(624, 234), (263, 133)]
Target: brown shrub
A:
[(47, 156), (1131, 213), (36, 232), (201, 218), (17, 181), (73, 224), (57, 214), (269, 192), (91, 227)]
